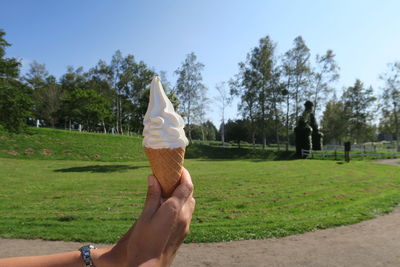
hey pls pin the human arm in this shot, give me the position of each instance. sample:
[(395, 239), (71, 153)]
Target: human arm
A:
[(152, 241)]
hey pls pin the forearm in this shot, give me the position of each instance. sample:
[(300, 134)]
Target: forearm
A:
[(100, 258), (56, 260)]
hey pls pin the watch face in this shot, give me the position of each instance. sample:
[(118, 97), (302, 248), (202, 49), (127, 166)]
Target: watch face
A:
[(85, 253)]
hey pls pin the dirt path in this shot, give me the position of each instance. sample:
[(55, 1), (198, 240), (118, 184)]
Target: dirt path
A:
[(370, 243), (395, 162)]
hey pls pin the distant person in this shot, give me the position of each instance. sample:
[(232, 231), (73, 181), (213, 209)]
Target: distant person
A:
[(153, 240)]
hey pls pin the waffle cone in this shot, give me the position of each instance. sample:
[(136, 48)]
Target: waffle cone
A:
[(166, 164)]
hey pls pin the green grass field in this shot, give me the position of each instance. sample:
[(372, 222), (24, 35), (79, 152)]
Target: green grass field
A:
[(95, 201), (42, 143)]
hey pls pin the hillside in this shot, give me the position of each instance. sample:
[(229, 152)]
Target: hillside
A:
[(44, 143)]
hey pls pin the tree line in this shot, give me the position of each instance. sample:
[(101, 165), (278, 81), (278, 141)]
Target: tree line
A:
[(113, 97), (273, 88)]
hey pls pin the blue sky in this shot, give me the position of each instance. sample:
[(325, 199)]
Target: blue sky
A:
[(364, 35)]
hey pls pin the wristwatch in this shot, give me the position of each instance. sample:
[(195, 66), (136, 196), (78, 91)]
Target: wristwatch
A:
[(85, 254)]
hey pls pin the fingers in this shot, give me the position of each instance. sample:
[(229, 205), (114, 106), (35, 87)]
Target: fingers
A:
[(184, 189), (182, 226), (172, 207), (153, 197)]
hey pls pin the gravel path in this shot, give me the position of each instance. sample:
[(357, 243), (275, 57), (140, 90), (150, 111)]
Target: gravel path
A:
[(370, 243), (395, 162)]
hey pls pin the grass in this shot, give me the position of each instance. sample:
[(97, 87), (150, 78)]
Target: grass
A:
[(236, 199), (43, 143)]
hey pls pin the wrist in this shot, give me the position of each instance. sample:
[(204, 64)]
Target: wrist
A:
[(104, 257)]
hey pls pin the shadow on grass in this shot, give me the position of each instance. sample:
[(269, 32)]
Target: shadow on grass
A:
[(100, 168), (199, 151)]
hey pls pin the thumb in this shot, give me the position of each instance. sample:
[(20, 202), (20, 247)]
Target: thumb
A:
[(153, 199)]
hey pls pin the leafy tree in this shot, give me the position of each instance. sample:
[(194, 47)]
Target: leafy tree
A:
[(15, 98), (37, 75), (334, 122), (262, 65), (73, 79), (357, 105), (325, 73), (237, 131), (205, 131), (296, 70), (258, 83), (15, 104), (296, 63), (46, 93), (190, 89), (48, 102), (9, 67), (391, 100), (86, 107), (210, 130)]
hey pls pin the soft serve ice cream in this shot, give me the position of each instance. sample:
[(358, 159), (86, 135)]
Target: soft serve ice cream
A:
[(163, 127), (164, 138)]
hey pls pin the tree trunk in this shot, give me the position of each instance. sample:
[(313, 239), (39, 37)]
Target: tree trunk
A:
[(276, 127), (223, 133), (104, 127), (253, 131), (287, 123), (264, 138), (396, 127), (120, 116)]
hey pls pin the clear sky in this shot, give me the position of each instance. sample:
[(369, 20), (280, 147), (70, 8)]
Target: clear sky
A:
[(364, 35)]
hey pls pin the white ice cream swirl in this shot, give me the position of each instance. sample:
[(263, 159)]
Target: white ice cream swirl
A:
[(163, 127)]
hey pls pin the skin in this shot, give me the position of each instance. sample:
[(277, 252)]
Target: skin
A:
[(152, 241)]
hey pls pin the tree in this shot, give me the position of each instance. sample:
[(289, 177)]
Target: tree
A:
[(15, 104), (210, 130), (258, 85), (357, 105), (296, 69), (237, 131), (205, 131), (391, 99), (190, 88), (37, 75), (116, 71), (134, 80), (86, 107), (334, 122), (325, 73), (224, 99), (48, 102), (9, 67), (15, 98), (242, 85), (297, 66), (46, 93), (262, 63), (73, 79)]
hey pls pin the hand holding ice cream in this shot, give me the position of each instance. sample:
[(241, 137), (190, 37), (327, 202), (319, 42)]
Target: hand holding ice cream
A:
[(164, 138)]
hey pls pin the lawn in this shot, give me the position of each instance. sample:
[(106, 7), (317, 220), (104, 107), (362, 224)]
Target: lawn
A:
[(44, 143), (236, 199)]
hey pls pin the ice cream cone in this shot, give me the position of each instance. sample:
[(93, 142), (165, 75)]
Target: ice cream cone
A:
[(166, 164)]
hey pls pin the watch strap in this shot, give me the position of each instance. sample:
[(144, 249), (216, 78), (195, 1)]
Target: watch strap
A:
[(85, 254)]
